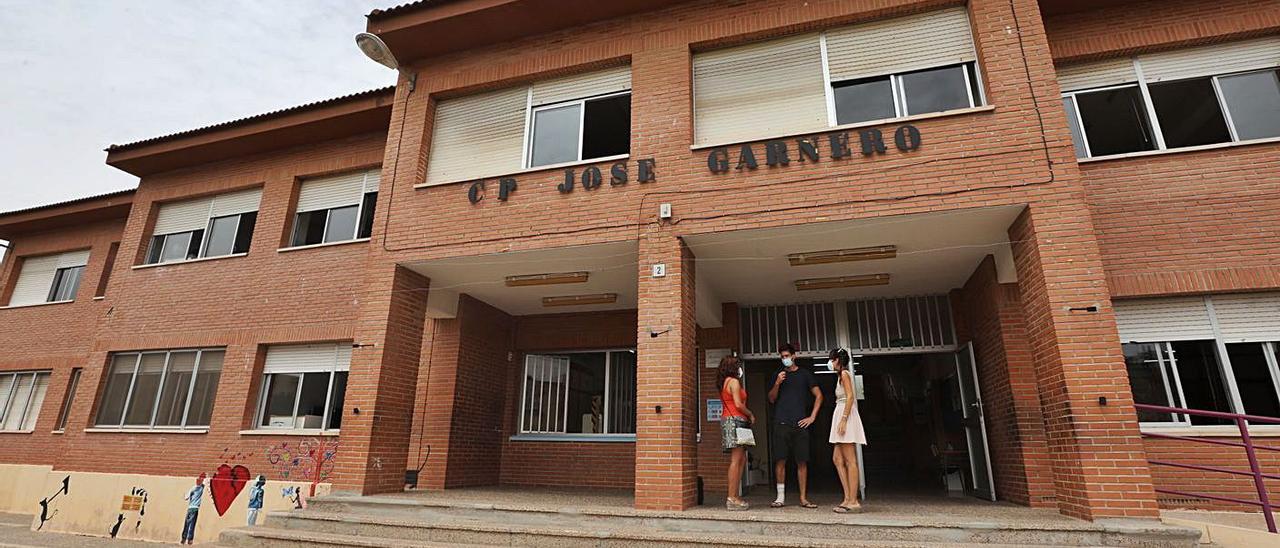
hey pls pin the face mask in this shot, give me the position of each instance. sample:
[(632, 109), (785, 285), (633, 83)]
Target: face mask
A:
[(831, 366), (788, 362)]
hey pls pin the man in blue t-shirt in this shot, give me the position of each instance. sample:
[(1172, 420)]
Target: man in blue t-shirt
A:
[(792, 416)]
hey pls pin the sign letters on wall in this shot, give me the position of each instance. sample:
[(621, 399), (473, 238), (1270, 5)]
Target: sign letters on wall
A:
[(590, 178), (839, 145)]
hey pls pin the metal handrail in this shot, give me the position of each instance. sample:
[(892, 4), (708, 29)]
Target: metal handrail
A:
[(1255, 470)]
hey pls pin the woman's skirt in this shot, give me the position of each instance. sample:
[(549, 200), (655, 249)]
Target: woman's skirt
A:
[(729, 432), (853, 432)]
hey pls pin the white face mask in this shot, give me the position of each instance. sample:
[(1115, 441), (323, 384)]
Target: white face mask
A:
[(831, 365), (788, 362)]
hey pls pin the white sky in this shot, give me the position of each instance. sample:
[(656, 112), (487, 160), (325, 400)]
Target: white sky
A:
[(81, 75)]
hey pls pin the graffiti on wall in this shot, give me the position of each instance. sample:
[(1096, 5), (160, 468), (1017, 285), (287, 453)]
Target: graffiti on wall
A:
[(45, 513), (134, 501), (311, 460)]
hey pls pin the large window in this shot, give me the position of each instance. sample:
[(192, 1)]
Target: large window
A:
[(581, 130), (21, 395), (1201, 96), (161, 389), (336, 209), (205, 227), (918, 92), (49, 278), (303, 387), (579, 393)]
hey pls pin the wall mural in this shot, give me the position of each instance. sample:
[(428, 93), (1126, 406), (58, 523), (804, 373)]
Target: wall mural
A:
[(135, 501), (311, 460), (45, 514)]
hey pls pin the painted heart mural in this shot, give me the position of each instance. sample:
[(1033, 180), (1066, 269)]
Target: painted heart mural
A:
[(226, 485)]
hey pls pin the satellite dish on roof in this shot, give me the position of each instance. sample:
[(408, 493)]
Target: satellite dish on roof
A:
[(374, 48)]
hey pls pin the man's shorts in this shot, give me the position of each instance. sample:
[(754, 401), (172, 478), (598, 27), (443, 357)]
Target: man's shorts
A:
[(790, 441)]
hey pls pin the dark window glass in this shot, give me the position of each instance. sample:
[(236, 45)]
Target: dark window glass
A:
[(282, 394), (863, 100), (935, 90), (606, 127), (1254, 102), (555, 135), (586, 393), (622, 392), (342, 224), (1202, 383), (1115, 121), (366, 214), (222, 236), (309, 227), (206, 387), (157, 245), (112, 406), (1253, 379), (177, 383), (1145, 379), (66, 281), (338, 394), (244, 233), (1189, 113)]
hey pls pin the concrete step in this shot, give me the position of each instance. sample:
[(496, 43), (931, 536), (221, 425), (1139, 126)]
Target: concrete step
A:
[(264, 537), (394, 517)]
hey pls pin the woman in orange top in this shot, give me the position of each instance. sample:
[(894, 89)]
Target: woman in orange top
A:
[(734, 415)]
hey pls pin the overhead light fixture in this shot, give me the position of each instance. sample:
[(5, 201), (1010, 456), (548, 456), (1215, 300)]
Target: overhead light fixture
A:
[(547, 279), (377, 50), (576, 300), (843, 255), (842, 281)]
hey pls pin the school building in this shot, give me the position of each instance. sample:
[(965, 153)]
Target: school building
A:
[(520, 264)]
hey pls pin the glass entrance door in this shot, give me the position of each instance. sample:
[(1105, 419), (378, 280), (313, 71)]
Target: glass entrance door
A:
[(975, 427)]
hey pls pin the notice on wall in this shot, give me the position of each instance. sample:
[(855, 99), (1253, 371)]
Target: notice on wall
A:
[(714, 408), (714, 355)]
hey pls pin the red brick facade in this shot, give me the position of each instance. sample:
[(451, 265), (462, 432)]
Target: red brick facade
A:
[(441, 396)]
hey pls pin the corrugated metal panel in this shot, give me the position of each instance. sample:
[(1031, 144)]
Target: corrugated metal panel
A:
[(1097, 74), (308, 358), (811, 327), (900, 325), (1209, 60), (1251, 317), (760, 90), (478, 136), (579, 86), (330, 192), (1166, 319), (35, 280), (182, 216), (900, 45), (233, 203)]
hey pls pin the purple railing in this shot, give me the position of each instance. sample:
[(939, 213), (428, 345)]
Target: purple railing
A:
[(1250, 450)]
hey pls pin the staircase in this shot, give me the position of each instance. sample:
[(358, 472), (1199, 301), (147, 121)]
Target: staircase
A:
[(396, 521)]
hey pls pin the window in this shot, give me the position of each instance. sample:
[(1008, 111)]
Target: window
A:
[(65, 413), (303, 386), (172, 389), (1201, 96), (205, 227), (336, 209), (579, 393), (21, 395), (49, 278), (581, 130), (843, 75)]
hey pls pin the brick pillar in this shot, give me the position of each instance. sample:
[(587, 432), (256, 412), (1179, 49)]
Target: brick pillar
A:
[(1098, 460), (666, 454), (378, 412)]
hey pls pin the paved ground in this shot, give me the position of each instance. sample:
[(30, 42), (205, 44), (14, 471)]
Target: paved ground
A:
[(15, 532), (1244, 520)]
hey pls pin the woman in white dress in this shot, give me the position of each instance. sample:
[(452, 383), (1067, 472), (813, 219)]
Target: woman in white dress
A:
[(846, 430)]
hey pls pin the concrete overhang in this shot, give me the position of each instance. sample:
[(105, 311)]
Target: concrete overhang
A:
[(114, 205), (355, 114)]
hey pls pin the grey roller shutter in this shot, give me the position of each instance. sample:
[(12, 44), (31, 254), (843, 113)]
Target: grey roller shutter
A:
[(1166, 319), (329, 192), (182, 216), (1209, 60), (478, 136), (760, 90), (1253, 317), (899, 45), (1097, 74), (579, 86), (244, 201), (308, 358)]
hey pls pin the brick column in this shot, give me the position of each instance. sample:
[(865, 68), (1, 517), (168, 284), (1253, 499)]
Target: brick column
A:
[(378, 412), (666, 454), (1099, 463)]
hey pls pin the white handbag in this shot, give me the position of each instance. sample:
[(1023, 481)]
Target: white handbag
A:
[(745, 436)]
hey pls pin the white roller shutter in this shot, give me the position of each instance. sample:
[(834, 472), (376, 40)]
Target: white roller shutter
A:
[(308, 358), (1209, 60), (1157, 320), (478, 136), (760, 90), (329, 192), (1251, 317), (900, 45), (1097, 74), (182, 216), (233, 203), (35, 280), (372, 179), (580, 86)]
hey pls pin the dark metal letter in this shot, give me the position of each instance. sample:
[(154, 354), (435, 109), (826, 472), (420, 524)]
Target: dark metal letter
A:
[(808, 149), (618, 174), (506, 186), (839, 145), (775, 153), (872, 141), (647, 174), (747, 158), (591, 178), (907, 138), (476, 192), (718, 160), (567, 185)]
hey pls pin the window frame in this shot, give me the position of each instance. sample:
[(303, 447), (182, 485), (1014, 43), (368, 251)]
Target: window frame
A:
[(155, 405), (64, 412), (1168, 364), (525, 433), (1152, 117), (207, 237), (264, 394), (530, 126), (59, 276), (355, 233), (11, 392)]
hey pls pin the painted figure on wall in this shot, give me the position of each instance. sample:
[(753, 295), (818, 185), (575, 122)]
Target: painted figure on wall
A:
[(194, 497), (115, 529), (294, 494), (255, 500), (45, 514)]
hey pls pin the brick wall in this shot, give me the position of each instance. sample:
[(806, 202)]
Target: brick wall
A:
[(1129, 27)]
